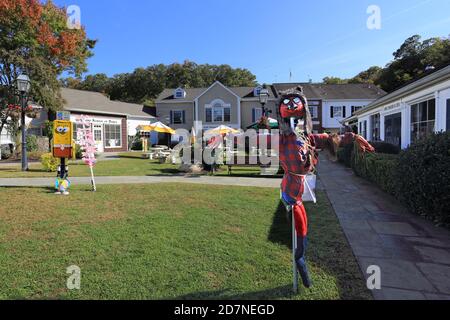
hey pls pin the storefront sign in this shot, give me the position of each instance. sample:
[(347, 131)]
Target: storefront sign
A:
[(63, 115)]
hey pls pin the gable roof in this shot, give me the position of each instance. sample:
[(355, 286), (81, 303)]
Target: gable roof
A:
[(193, 93), (348, 91), (95, 102)]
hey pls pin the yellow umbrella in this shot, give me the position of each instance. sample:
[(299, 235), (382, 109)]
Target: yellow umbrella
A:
[(158, 127), (222, 129)]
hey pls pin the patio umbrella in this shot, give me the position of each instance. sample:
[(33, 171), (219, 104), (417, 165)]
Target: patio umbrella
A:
[(222, 129), (158, 127), (273, 123)]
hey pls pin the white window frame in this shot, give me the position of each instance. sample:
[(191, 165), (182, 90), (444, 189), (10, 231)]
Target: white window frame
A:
[(335, 112), (181, 117), (106, 140), (257, 91), (428, 121), (213, 106), (179, 91), (258, 114), (314, 110)]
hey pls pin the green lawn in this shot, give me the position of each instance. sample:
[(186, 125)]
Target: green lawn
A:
[(129, 164), (166, 241)]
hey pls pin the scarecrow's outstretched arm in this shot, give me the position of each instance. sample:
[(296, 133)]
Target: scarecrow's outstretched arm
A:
[(332, 142)]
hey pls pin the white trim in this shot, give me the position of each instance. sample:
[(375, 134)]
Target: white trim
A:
[(178, 110), (223, 105), (121, 138), (211, 86)]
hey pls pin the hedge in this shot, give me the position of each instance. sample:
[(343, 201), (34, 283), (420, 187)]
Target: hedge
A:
[(423, 177), (419, 176)]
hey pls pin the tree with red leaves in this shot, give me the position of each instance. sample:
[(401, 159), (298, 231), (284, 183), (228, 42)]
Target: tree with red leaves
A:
[(35, 40)]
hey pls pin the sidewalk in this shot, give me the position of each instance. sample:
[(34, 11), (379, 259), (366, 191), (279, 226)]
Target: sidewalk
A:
[(208, 180), (413, 254)]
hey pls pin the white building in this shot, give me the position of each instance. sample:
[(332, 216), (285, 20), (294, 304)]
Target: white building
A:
[(409, 113), (113, 123)]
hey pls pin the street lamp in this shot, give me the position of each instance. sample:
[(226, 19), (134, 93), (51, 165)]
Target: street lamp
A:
[(23, 86), (263, 98)]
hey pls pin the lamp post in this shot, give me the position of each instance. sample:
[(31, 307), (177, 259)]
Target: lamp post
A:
[(23, 86), (263, 98)]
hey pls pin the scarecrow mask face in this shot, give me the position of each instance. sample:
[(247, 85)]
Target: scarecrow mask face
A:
[(292, 105)]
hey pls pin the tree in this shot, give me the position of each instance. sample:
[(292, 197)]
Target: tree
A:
[(143, 85), (334, 80), (35, 39)]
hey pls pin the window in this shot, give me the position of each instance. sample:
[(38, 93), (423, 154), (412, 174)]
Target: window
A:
[(218, 113), (208, 117), (356, 108), (180, 93), (423, 117), (363, 129), (113, 135), (177, 117), (448, 115), (256, 114), (338, 112), (314, 110), (98, 133), (375, 125), (257, 91), (76, 126)]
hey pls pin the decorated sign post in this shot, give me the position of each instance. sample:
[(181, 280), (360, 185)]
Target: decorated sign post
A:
[(62, 148), (85, 139)]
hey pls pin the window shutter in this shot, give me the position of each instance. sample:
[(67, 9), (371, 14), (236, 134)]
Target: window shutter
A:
[(353, 110), (184, 116), (343, 111), (331, 112), (171, 117), (253, 115)]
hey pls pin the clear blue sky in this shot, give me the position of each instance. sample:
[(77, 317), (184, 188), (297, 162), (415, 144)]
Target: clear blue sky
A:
[(314, 38)]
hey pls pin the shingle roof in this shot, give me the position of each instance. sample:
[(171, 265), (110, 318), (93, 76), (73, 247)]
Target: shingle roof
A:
[(311, 90), (335, 91), (79, 100), (193, 93)]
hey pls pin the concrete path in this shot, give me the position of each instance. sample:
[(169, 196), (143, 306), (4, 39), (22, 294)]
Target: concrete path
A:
[(413, 254), (206, 180)]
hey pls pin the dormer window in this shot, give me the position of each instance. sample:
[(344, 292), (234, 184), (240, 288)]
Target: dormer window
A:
[(257, 91), (180, 93)]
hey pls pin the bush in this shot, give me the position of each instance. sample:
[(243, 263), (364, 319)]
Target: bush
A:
[(378, 168), (78, 152), (32, 143), (136, 145), (49, 163), (423, 176), (5, 151), (384, 147), (35, 155), (344, 155)]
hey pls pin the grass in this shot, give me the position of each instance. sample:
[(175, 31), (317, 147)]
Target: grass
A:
[(129, 164), (170, 241)]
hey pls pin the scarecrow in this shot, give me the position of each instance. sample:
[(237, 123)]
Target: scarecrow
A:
[(298, 157)]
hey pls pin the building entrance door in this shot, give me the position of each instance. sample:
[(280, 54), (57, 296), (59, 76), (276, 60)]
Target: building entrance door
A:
[(393, 129), (98, 137)]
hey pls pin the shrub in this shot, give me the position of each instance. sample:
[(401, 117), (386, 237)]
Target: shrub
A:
[(49, 163), (344, 155), (423, 176), (5, 151), (35, 155), (378, 168), (78, 152), (384, 147), (32, 143)]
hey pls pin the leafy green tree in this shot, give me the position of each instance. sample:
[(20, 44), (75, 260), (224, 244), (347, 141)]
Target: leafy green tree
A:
[(35, 39)]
